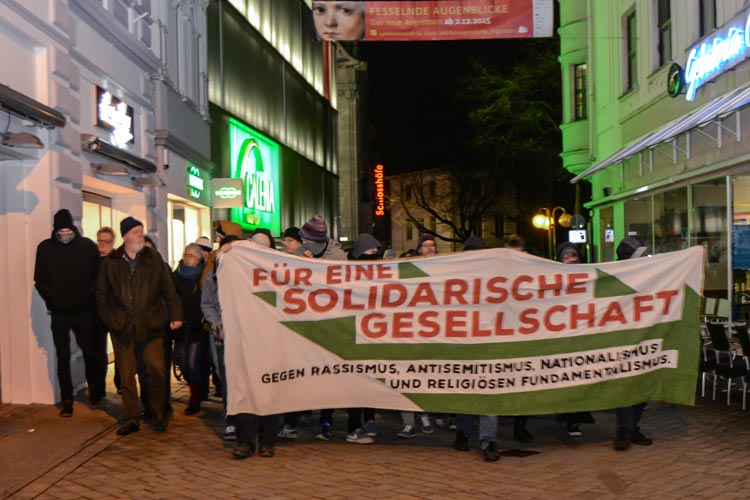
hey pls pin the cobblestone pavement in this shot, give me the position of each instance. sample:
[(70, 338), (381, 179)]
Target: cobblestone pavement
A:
[(698, 452)]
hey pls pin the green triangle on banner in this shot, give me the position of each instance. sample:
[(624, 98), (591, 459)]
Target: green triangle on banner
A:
[(269, 297), (610, 286), (408, 270)]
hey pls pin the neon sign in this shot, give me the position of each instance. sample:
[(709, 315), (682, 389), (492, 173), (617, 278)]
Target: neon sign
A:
[(379, 191), (116, 116), (255, 160), (195, 183), (714, 56)]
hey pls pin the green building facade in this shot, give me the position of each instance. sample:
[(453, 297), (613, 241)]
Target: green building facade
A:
[(656, 118)]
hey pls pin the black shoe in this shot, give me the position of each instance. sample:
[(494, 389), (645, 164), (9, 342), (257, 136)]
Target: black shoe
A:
[(639, 439), (523, 436), (622, 441), (67, 408), (490, 452), (192, 410), (461, 443), (242, 451), (266, 451), (128, 428)]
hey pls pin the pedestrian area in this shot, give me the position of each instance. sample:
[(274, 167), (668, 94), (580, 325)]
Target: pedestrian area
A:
[(698, 452)]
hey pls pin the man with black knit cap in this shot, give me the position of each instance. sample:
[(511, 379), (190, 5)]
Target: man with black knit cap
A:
[(65, 276), (133, 288)]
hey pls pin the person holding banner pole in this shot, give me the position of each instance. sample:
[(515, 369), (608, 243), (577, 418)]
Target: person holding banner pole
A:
[(628, 418), (567, 253), (212, 314)]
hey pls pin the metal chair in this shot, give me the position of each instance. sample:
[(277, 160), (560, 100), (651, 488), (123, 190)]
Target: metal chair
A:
[(728, 364)]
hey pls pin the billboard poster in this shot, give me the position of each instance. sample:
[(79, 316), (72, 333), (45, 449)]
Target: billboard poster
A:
[(432, 20), (255, 160)]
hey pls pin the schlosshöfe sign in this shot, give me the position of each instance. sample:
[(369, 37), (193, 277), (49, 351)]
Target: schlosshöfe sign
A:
[(723, 50), (482, 332)]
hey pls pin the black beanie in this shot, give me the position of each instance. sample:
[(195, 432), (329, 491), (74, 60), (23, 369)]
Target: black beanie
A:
[(127, 224), (293, 232), (63, 220)]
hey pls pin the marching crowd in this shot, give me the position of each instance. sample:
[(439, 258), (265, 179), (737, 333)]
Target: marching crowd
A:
[(149, 309)]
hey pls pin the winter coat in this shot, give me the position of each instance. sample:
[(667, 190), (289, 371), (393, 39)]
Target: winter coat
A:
[(132, 304), (333, 251), (189, 291), (65, 274)]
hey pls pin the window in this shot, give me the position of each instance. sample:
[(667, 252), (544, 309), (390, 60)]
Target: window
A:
[(631, 49), (499, 226), (407, 192), (664, 28), (433, 189), (409, 231), (579, 81), (706, 16), (433, 225)]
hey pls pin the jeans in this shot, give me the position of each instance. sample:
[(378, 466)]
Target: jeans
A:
[(487, 427), (152, 355), (87, 334), (191, 356), (629, 418)]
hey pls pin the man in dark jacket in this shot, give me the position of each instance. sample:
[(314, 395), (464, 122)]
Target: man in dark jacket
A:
[(65, 276), (133, 288)]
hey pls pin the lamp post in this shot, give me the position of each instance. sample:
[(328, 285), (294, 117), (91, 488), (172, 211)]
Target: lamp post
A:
[(545, 219)]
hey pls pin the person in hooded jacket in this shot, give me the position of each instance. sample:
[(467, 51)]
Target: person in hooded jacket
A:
[(191, 339), (65, 275), (628, 418), (568, 253)]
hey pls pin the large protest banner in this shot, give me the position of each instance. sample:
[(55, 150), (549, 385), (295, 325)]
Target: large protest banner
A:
[(374, 20), (483, 332)]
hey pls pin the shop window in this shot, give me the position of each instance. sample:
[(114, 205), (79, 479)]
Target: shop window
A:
[(579, 81), (706, 17), (740, 248), (639, 220), (631, 51), (664, 31), (709, 229), (670, 221), (97, 213), (184, 227)]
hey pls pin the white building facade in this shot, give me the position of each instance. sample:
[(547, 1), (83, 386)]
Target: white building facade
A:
[(104, 111)]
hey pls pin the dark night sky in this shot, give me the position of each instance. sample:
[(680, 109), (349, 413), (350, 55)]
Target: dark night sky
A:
[(416, 121)]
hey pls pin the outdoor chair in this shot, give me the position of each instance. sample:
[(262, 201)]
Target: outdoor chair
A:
[(729, 364)]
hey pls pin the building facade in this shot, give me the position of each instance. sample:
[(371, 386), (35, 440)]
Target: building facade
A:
[(656, 118), (105, 112), (274, 124)]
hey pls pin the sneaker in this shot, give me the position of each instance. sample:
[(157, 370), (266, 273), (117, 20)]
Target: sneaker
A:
[(287, 432), (452, 425), (407, 432), (230, 433), (359, 437), (490, 453), (67, 408), (574, 430), (461, 443), (639, 439), (370, 428), (128, 428), (426, 426), (242, 451), (325, 432), (622, 441), (266, 451)]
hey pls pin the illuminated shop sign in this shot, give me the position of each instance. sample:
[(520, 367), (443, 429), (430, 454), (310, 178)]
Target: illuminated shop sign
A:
[(725, 49), (379, 191), (114, 115), (255, 160), (195, 182)]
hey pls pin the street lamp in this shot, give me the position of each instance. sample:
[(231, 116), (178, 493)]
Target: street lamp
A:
[(545, 219)]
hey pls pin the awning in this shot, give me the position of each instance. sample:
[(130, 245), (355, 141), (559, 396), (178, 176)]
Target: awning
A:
[(27, 108), (718, 108), (93, 144)]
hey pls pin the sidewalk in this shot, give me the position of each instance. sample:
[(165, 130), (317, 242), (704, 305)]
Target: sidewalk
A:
[(698, 452)]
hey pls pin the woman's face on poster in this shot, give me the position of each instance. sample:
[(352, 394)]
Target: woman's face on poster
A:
[(339, 20)]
